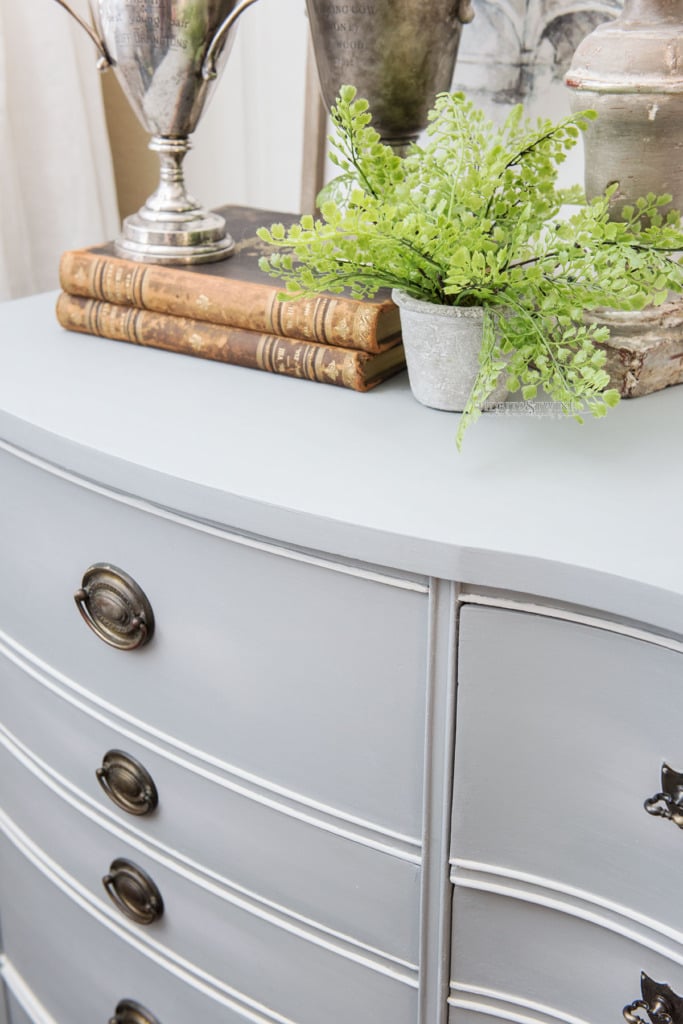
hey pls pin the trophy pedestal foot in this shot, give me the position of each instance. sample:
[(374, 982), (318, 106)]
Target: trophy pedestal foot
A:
[(198, 238)]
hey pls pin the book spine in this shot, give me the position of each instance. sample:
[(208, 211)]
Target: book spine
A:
[(252, 349), (230, 302)]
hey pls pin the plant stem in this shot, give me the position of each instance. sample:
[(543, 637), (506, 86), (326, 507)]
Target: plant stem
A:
[(532, 259)]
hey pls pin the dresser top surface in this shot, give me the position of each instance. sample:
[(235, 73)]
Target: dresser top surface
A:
[(537, 503)]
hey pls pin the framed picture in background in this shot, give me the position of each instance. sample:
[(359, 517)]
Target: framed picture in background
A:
[(518, 51)]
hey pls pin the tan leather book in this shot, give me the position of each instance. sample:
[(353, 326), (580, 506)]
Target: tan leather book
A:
[(233, 292), (328, 364)]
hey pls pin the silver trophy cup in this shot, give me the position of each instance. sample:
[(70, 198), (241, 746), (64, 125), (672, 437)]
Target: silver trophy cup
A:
[(397, 53), (167, 55)]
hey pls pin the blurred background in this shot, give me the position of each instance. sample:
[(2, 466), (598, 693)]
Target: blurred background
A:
[(74, 161)]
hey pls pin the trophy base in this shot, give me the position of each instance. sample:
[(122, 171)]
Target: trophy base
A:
[(198, 238)]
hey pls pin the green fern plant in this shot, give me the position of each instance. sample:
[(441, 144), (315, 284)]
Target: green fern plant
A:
[(475, 217)]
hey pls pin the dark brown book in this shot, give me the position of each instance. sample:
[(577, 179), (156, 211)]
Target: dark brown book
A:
[(233, 292), (347, 368)]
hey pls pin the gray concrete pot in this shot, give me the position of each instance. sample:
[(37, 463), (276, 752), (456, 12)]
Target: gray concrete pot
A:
[(442, 345)]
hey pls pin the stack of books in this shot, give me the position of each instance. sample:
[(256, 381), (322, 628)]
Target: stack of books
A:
[(230, 311)]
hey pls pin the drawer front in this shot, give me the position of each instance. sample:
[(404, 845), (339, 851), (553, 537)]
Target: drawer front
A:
[(82, 980), (520, 961), (340, 882), (17, 1013), (267, 957), (562, 731), (307, 677), (22, 1006)]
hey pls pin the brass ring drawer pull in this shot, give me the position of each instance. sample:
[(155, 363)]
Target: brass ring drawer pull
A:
[(659, 1002), (127, 783), (669, 802), (115, 607), (130, 1012), (133, 892)]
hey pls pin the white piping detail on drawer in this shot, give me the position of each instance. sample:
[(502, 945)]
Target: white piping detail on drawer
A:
[(200, 980), (506, 1007), (567, 899), (376, 576), (254, 788), (23, 994), (549, 612), (166, 958), (274, 914)]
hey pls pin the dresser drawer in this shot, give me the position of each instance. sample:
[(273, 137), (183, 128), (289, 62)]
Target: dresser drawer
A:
[(260, 953), (562, 732), (82, 980), (272, 849), (307, 676), (17, 1013), (549, 962)]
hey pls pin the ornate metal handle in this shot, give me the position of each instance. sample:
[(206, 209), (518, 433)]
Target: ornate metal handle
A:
[(115, 607), (130, 1012), (660, 1003), (133, 892), (209, 64), (105, 60), (657, 1015), (127, 783), (630, 1012), (669, 802)]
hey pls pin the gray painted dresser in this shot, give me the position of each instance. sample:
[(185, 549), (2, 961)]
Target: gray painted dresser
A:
[(381, 747)]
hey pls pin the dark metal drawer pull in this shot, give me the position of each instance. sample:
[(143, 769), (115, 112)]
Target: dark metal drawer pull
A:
[(668, 803), (659, 1002), (133, 892), (130, 1012), (127, 783), (115, 607)]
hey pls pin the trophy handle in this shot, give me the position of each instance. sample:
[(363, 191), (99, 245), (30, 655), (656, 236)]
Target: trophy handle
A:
[(105, 60), (209, 65)]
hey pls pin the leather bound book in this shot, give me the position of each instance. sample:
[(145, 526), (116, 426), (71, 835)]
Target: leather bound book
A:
[(328, 364), (233, 292)]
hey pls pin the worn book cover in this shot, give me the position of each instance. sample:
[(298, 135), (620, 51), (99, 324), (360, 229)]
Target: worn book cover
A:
[(257, 350), (233, 292)]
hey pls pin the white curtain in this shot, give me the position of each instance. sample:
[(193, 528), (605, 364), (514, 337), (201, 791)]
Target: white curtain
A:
[(56, 179), (248, 146)]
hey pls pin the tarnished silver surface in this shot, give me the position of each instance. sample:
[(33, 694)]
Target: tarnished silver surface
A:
[(166, 55), (442, 345), (398, 53)]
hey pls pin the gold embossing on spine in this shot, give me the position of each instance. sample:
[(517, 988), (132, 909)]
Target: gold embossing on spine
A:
[(257, 350), (234, 293)]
